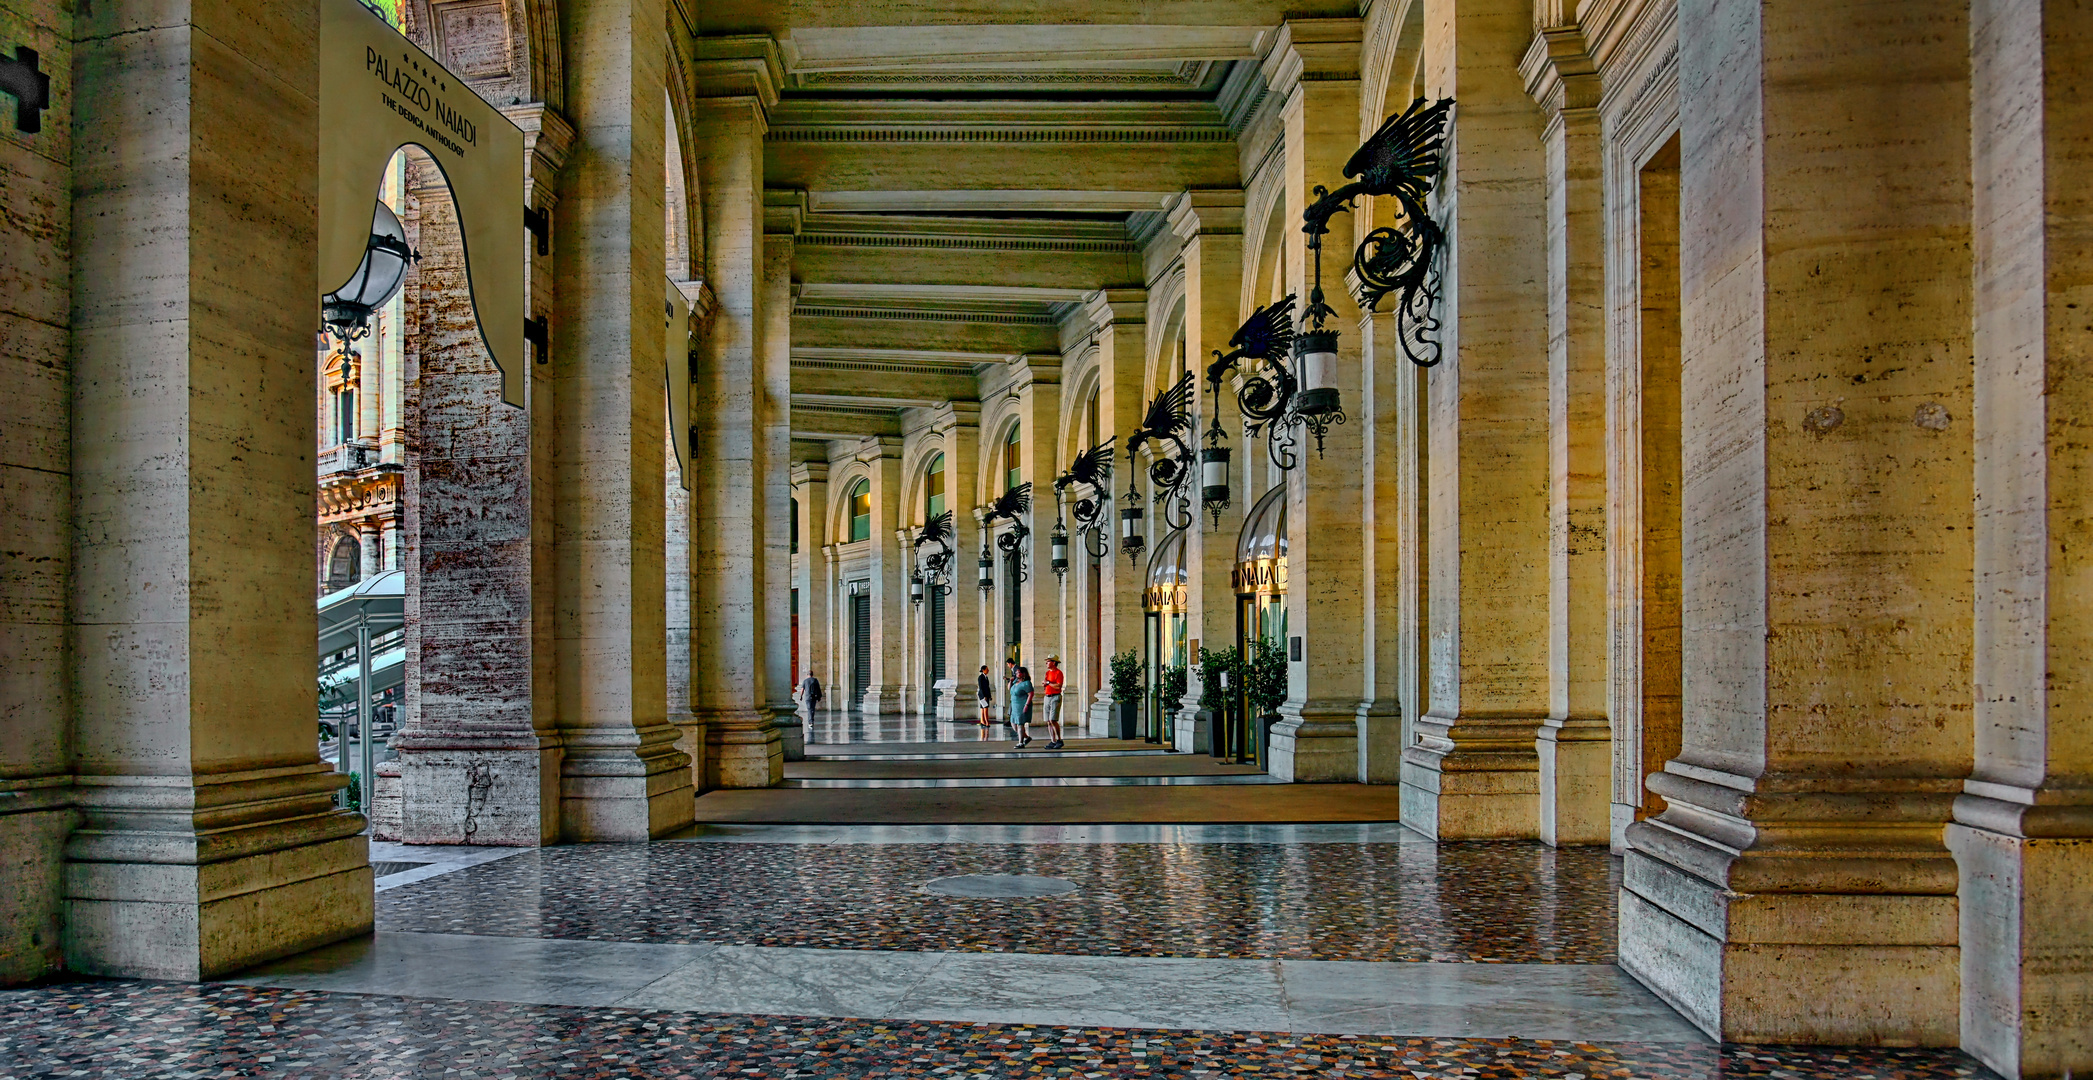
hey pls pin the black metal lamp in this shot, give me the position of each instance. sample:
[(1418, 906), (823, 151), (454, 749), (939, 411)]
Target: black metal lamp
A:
[(986, 565), (1131, 539), (915, 587), (1315, 365), (1057, 542), (1213, 478), (347, 310)]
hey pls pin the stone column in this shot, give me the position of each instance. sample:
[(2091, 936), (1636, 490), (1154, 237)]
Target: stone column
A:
[(690, 736), (882, 456), (1473, 772), (470, 759), (1796, 888), (205, 837), (1040, 406), (958, 425), (622, 777), (1573, 745), (744, 749), (2023, 829), (810, 488), (781, 216), (1315, 66), (1210, 223), (1118, 318)]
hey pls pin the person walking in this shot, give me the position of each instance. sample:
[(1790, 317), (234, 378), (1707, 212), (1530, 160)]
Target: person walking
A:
[(1050, 701), (985, 693), (1021, 708), (810, 694)]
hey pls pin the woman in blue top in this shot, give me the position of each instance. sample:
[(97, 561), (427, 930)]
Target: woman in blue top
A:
[(1021, 707)]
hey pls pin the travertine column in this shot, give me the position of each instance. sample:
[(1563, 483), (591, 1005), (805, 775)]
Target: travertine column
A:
[(727, 643), (1040, 405), (1118, 317), (621, 777), (1211, 225), (206, 836), (958, 424), (774, 471), (1796, 888), (1473, 772), (1573, 745), (2023, 829), (881, 455), (1315, 65), (470, 768), (810, 489)]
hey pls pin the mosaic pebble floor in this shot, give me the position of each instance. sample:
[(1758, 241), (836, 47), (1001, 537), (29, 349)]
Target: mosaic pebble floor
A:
[(97, 1030), (1454, 902)]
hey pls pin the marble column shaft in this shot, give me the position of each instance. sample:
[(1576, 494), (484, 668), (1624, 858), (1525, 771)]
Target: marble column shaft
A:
[(959, 430), (1473, 772), (744, 748), (621, 777), (881, 457), (2023, 829), (1118, 317), (206, 835), (1796, 888), (774, 439), (1210, 223), (1573, 744), (1316, 65)]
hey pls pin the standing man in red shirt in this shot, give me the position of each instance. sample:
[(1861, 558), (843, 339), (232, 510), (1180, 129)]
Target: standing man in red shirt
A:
[(1050, 701)]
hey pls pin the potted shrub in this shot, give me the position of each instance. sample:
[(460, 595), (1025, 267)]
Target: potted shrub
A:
[(1264, 683), (1169, 694), (1126, 694), (1213, 700)]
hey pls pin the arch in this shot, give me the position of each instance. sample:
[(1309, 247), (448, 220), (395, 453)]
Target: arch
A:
[(1164, 348), (915, 465), (936, 484), (344, 562)]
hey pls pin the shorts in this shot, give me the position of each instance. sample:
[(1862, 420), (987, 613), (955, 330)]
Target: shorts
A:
[(1050, 708)]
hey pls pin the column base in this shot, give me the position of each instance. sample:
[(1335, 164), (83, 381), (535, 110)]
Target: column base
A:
[(1316, 746), (32, 847), (690, 738), (1576, 781), (1098, 718), (1473, 779), (1191, 732), (949, 707), (1380, 726), (882, 701), (1810, 969), (499, 792), (226, 891), (792, 731), (611, 790), (2027, 980), (742, 750), (386, 802)]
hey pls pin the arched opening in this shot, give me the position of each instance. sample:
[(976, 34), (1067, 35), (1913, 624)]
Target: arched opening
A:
[(861, 511)]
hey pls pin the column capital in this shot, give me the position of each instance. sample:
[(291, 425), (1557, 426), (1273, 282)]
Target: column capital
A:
[(1207, 212), (809, 472), (738, 66), (1312, 50), (784, 211), (873, 448), (1559, 71), (952, 415), (699, 296), (547, 136), (1116, 307)]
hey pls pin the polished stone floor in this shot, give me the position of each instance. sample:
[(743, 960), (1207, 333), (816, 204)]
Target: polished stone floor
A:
[(943, 949)]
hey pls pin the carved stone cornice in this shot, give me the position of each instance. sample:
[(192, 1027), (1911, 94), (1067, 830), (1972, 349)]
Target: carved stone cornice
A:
[(547, 139), (344, 495), (998, 122), (784, 211), (809, 472), (978, 234), (1559, 71), (950, 416)]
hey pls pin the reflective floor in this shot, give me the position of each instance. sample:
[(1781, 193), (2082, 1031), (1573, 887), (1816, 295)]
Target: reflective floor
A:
[(946, 949)]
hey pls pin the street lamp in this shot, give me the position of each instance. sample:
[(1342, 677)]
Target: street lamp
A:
[(347, 310)]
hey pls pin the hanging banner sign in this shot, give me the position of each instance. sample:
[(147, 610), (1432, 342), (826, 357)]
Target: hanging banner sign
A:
[(379, 92)]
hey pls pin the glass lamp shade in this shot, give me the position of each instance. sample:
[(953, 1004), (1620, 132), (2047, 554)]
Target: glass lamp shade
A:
[(1130, 539), (1315, 365), (915, 588), (376, 278), (1213, 475), (987, 575), (1060, 551)]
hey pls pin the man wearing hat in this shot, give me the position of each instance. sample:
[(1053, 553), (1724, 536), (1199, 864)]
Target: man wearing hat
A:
[(1050, 701)]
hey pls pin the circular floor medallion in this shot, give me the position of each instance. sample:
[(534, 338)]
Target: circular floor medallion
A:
[(984, 885)]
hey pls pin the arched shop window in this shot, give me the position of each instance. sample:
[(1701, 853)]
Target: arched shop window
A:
[(934, 489), (1013, 474), (861, 511)]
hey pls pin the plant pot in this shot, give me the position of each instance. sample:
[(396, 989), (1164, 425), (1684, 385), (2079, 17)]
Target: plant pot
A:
[(1264, 740), (1126, 720)]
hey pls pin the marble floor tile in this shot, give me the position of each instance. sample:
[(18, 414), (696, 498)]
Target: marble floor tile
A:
[(1587, 1002), (436, 860), (1374, 833), (1100, 991), (474, 968), (1032, 781), (789, 982)]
